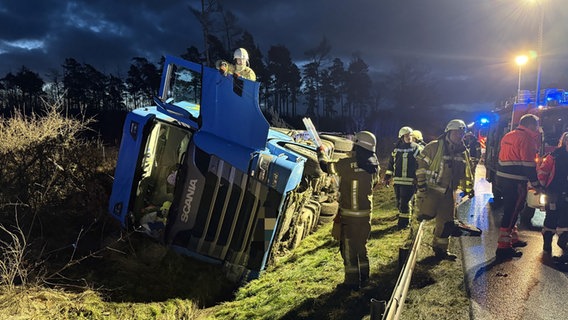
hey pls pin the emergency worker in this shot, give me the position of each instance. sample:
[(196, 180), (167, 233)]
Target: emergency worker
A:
[(241, 68), (553, 175), (444, 167), (402, 170), (418, 138), (516, 166), (359, 175)]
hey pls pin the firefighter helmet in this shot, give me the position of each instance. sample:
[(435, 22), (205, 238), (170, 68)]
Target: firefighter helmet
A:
[(241, 53), (403, 131), (366, 140), (455, 124), (417, 135)]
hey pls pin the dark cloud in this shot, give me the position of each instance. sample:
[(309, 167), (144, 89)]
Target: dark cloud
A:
[(468, 44)]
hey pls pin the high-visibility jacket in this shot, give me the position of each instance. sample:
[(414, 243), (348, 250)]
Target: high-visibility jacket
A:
[(443, 166), (552, 176), (355, 186), (519, 149), (402, 164)]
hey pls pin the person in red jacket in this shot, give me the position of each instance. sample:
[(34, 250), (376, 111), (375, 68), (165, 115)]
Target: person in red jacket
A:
[(517, 165), (553, 174)]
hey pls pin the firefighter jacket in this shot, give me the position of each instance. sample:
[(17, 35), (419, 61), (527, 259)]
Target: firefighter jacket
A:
[(553, 171), (355, 186), (519, 149), (443, 167), (241, 71), (402, 164)]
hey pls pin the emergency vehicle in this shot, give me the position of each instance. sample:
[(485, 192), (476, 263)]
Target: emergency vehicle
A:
[(553, 115)]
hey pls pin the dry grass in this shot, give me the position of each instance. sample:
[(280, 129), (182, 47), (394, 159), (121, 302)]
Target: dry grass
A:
[(96, 271)]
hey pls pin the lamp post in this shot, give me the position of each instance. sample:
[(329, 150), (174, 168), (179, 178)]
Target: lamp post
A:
[(539, 54), (521, 61)]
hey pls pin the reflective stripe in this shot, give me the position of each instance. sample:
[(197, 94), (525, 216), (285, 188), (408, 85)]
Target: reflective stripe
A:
[(504, 240), (511, 176), (403, 180), (561, 230), (355, 213), (517, 163), (354, 194), (546, 229)]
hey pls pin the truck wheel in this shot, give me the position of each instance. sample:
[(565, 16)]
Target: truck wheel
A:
[(311, 167), (340, 144)]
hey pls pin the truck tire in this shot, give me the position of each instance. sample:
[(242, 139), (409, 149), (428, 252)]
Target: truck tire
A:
[(340, 144), (311, 167)]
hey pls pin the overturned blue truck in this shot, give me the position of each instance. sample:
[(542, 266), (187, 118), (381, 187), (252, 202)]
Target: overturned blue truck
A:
[(203, 172)]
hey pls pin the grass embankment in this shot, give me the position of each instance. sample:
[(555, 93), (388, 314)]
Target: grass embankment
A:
[(61, 257), (140, 279)]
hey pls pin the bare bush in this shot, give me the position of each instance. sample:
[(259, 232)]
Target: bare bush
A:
[(13, 269), (43, 160), (51, 179)]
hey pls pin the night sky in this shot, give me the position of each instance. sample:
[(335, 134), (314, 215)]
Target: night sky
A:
[(469, 44)]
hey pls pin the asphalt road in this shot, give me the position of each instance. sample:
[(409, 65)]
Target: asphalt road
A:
[(530, 287)]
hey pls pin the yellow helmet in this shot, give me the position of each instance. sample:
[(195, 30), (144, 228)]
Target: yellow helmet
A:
[(417, 135)]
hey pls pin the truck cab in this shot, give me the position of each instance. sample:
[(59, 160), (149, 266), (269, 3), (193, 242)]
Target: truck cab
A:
[(203, 172)]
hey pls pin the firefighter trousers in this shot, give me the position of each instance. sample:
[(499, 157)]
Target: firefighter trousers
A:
[(556, 220), (353, 247), (442, 206), (403, 195), (514, 199)]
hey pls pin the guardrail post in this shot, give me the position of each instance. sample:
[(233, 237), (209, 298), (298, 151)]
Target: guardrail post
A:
[(377, 308)]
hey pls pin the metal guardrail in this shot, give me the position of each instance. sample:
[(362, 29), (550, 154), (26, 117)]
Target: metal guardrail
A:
[(393, 309)]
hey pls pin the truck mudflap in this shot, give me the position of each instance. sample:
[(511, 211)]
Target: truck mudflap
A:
[(223, 214)]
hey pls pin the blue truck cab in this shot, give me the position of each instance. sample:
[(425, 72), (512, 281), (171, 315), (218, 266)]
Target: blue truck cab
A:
[(203, 172)]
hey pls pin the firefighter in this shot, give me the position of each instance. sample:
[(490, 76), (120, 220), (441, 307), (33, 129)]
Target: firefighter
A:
[(444, 167), (241, 68), (553, 175), (418, 138), (516, 166), (359, 175), (402, 170)]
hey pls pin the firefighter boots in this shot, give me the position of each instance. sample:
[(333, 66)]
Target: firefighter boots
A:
[(547, 241), (507, 253), (519, 244), (402, 223), (443, 254)]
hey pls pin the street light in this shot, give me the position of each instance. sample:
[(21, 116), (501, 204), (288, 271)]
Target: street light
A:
[(540, 4), (521, 61), (539, 57)]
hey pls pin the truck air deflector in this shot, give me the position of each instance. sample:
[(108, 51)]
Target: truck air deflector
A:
[(233, 126)]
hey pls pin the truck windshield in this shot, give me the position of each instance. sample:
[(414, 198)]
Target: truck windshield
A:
[(183, 89), (164, 151)]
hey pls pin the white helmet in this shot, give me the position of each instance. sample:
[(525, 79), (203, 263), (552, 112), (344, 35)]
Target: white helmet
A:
[(241, 54), (455, 124), (366, 140), (403, 131)]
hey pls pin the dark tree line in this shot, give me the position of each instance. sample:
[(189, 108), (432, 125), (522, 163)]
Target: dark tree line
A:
[(339, 95)]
